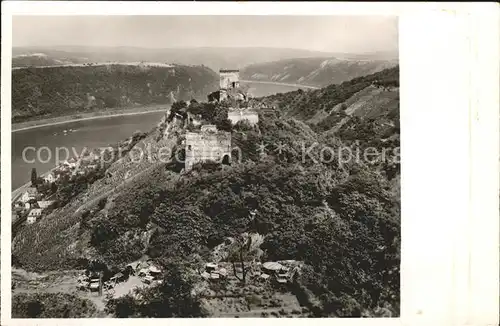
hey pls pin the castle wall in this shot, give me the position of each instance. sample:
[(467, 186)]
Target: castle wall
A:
[(237, 115), (206, 145)]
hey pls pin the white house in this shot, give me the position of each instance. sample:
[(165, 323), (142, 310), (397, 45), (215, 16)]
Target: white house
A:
[(45, 203), (71, 163), (33, 215), (236, 115), (50, 178), (29, 194), (92, 166), (92, 157)]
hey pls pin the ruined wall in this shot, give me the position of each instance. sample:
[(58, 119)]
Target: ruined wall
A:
[(209, 144), (237, 115)]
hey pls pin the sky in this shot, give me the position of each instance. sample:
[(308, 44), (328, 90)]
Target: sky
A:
[(351, 34)]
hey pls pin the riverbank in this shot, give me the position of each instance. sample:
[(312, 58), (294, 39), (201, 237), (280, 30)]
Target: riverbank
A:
[(86, 116)]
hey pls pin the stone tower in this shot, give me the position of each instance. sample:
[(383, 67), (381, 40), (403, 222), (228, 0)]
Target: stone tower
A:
[(229, 79)]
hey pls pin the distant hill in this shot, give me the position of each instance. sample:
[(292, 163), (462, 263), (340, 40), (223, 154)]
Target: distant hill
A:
[(315, 71), (40, 59), (308, 105), (213, 57), (55, 91)]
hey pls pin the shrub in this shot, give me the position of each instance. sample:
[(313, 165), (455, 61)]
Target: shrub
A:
[(51, 305)]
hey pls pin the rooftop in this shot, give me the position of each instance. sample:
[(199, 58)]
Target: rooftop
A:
[(205, 128), (274, 266), (32, 191), (229, 70), (46, 201)]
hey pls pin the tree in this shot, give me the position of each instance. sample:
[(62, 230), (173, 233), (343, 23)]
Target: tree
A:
[(53, 187), (244, 247), (123, 307), (178, 106), (34, 309), (34, 177)]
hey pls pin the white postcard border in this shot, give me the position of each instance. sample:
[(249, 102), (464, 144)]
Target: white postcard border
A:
[(448, 127)]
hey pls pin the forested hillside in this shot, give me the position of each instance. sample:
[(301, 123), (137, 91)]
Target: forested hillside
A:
[(314, 71), (49, 92), (340, 216)]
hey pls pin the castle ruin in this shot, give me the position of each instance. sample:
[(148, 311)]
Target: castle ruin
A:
[(230, 90), (229, 79), (209, 144)]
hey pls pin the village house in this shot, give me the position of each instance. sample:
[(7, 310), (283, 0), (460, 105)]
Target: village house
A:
[(267, 112), (71, 163), (214, 272), (149, 274), (78, 172), (50, 178), (43, 204), (33, 215), (93, 157), (282, 271), (30, 194), (248, 114)]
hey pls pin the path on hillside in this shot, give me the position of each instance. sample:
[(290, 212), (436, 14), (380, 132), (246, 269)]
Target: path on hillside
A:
[(279, 84), (90, 202)]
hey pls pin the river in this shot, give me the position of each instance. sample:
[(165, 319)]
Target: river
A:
[(86, 133)]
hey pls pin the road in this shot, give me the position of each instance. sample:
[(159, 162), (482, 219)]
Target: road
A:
[(279, 84)]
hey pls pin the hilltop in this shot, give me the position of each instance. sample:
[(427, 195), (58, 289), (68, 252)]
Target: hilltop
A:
[(32, 59), (56, 91), (213, 57), (341, 219), (319, 71)]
